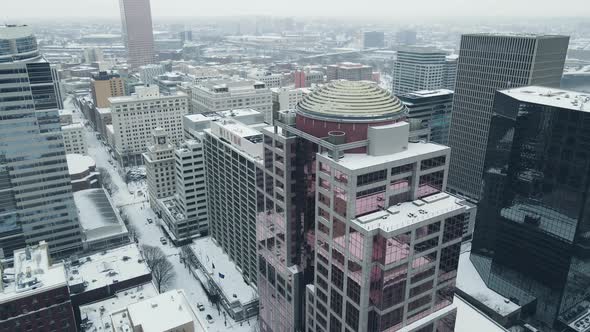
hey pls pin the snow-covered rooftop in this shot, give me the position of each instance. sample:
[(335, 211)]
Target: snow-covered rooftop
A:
[(78, 163), (470, 319), (577, 101), (108, 267), (232, 284), (73, 126), (355, 161), (31, 274), (97, 214), (96, 316), (470, 282), (402, 215), (170, 311)]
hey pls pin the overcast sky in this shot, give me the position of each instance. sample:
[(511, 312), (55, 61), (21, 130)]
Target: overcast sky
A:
[(11, 10)]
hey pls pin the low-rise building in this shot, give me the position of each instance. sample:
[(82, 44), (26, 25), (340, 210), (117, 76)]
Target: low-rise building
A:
[(102, 226), (221, 278), (34, 294), (286, 98), (74, 138), (83, 172), (170, 311), (306, 78), (272, 80)]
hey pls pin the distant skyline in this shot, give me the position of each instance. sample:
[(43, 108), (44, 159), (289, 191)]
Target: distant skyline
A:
[(401, 10)]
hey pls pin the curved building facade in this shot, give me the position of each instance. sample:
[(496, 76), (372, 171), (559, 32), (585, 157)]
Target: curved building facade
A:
[(350, 107)]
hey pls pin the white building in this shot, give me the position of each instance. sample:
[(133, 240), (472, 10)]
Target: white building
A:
[(135, 117), (286, 98), (420, 68), (159, 166), (228, 94), (184, 215), (272, 80), (74, 138), (170, 311)]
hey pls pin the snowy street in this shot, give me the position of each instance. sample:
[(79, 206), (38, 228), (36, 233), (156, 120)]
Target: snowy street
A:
[(132, 200)]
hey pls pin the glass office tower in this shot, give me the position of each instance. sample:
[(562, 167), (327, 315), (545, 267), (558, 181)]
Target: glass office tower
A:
[(532, 235), (36, 201)]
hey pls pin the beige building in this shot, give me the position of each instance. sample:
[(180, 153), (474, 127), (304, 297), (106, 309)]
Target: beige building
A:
[(104, 86)]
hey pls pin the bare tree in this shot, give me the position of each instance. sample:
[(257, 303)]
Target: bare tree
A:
[(106, 180), (163, 274), (162, 270)]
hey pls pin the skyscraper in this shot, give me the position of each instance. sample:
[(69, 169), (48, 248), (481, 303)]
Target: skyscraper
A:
[(136, 19), (419, 68), (490, 62), (432, 108), (332, 170), (531, 241), (36, 202)]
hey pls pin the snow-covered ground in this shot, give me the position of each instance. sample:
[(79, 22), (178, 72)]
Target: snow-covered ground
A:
[(132, 200)]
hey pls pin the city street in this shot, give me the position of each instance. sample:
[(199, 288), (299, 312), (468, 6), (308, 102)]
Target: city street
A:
[(132, 200)]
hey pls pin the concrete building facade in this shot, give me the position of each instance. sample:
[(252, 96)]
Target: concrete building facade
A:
[(104, 86), (74, 138), (136, 116), (159, 166), (432, 110), (417, 69), (349, 71)]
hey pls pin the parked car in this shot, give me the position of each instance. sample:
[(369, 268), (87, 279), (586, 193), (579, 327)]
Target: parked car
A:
[(200, 306), (163, 240), (149, 220), (209, 319)]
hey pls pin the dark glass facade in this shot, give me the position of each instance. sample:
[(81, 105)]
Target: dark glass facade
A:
[(531, 241)]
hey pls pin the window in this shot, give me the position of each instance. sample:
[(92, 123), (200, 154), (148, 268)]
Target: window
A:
[(401, 169), (340, 177), (336, 302), (337, 277), (427, 230), (432, 162), (431, 184), (371, 177), (453, 228), (352, 316), (356, 242)]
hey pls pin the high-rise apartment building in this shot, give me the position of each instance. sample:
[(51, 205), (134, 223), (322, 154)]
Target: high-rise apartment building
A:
[(104, 86), (135, 117), (176, 186), (490, 62), (229, 94), (37, 202), (333, 168), (136, 19), (234, 164), (419, 68), (373, 39), (349, 71), (531, 243), (432, 109)]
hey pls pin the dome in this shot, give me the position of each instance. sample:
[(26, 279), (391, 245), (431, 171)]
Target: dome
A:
[(351, 101)]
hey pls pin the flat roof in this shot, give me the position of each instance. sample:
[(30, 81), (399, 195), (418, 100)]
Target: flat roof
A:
[(96, 315), (355, 161), (78, 163), (97, 214), (470, 282), (136, 98), (163, 312), (428, 93), (232, 284), (108, 267), (31, 274), (402, 215), (572, 100), (75, 125), (470, 319)]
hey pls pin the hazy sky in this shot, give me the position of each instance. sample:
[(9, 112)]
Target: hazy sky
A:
[(11, 10)]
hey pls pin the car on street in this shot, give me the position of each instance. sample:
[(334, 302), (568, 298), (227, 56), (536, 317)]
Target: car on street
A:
[(163, 240), (209, 319), (149, 220), (200, 306)]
